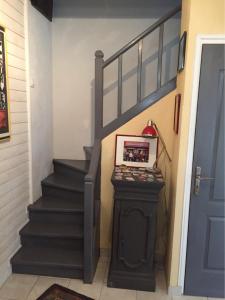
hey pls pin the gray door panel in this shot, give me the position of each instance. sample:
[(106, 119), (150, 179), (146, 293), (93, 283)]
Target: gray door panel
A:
[(205, 250)]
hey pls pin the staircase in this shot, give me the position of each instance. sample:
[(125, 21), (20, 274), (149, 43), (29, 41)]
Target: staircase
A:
[(52, 241), (62, 237)]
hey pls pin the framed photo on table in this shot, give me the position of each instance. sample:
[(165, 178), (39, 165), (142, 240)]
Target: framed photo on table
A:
[(4, 106), (136, 151)]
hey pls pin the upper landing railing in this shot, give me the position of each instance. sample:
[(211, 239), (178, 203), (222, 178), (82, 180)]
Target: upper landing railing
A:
[(100, 64)]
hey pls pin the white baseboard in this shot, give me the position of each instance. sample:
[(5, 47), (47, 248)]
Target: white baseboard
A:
[(6, 271), (175, 291)]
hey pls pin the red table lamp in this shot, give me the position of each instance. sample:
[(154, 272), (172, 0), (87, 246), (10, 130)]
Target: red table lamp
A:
[(151, 131)]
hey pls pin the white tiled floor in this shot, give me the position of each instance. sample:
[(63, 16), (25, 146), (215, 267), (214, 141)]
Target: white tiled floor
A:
[(25, 287)]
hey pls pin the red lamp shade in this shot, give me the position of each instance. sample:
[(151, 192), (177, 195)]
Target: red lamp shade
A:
[(149, 130)]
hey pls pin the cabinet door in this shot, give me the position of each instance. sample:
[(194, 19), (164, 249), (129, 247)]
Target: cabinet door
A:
[(136, 234)]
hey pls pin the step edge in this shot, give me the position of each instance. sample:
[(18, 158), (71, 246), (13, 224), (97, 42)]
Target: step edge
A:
[(62, 210), (42, 264), (43, 182), (74, 237), (57, 161)]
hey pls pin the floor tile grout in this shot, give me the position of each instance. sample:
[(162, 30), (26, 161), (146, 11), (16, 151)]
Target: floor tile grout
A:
[(33, 286)]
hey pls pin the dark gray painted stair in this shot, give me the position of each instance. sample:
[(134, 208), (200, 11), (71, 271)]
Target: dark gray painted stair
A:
[(48, 261), (62, 186), (52, 241), (67, 236), (48, 209)]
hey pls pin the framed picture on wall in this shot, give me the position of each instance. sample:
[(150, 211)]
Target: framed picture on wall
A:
[(181, 52), (4, 107), (136, 151)]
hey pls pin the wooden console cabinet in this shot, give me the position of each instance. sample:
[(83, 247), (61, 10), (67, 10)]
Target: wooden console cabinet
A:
[(134, 233)]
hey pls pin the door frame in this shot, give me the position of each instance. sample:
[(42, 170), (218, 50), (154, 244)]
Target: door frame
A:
[(200, 41)]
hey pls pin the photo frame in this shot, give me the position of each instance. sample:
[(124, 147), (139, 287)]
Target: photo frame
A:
[(136, 151), (177, 113), (4, 106), (181, 52)]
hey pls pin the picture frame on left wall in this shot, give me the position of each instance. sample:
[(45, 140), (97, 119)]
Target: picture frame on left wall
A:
[(4, 104)]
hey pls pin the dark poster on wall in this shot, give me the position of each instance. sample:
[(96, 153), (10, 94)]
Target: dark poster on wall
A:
[(4, 113)]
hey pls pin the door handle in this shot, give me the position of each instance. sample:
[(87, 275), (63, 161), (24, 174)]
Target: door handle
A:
[(205, 178), (198, 179)]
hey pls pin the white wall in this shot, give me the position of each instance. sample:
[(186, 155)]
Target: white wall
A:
[(40, 75), (79, 29), (14, 166)]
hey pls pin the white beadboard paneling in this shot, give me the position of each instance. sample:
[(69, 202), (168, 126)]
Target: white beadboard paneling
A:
[(15, 50), (8, 211), (14, 183), (17, 85), (12, 163), (18, 106), (14, 140), (13, 173), (16, 73), (14, 194), (12, 202), (15, 38), (11, 24), (12, 152), (19, 117), (17, 95), (17, 62), (18, 5), (10, 11), (19, 128)]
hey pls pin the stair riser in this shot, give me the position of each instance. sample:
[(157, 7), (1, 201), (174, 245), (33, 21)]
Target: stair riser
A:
[(61, 193), (77, 175), (48, 271), (53, 217), (58, 243)]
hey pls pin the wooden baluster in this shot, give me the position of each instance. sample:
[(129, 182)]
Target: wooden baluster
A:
[(160, 54), (120, 84), (99, 61), (139, 70)]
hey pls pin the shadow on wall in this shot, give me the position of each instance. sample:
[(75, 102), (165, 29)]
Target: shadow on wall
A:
[(113, 8), (169, 72), (148, 85)]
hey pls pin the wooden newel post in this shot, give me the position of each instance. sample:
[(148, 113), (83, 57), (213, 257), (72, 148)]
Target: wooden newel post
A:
[(99, 61)]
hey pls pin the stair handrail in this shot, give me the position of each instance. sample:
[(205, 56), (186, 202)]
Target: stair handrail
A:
[(142, 35), (90, 177), (101, 64), (91, 212)]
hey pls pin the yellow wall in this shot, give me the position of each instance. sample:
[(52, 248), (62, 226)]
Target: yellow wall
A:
[(198, 17), (162, 113)]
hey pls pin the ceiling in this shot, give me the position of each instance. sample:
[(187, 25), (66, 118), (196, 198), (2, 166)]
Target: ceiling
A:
[(113, 8)]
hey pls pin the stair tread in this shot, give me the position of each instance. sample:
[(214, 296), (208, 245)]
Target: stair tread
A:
[(64, 182), (56, 205), (48, 257), (80, 165), (52, 230)]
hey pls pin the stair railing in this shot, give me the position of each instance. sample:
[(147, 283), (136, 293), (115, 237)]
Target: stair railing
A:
[(100, 64), (92, 183), (92, 186)]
